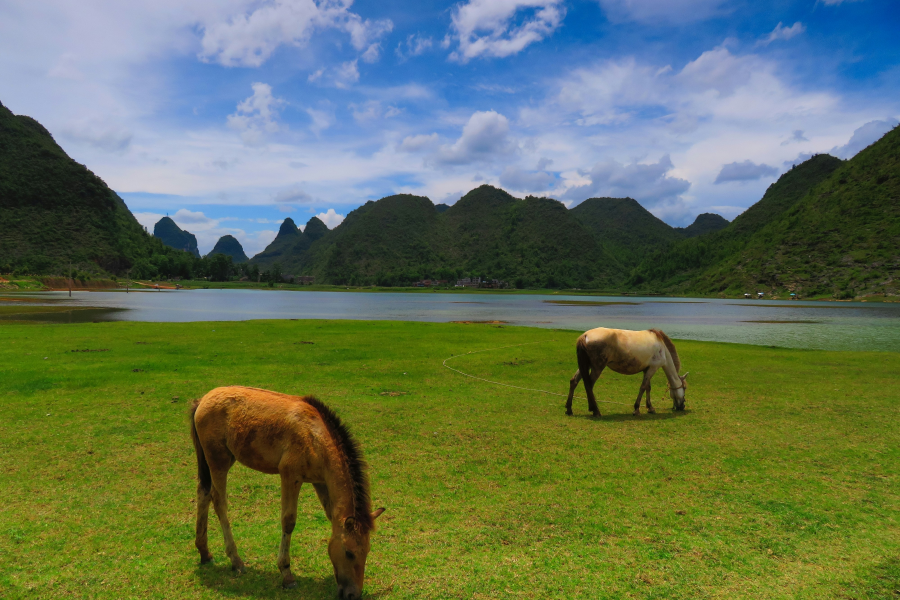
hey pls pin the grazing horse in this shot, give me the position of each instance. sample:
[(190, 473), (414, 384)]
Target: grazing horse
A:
[(301, 440), (627, 352)]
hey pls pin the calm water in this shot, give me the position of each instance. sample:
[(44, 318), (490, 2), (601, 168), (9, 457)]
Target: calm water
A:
[(825, 325)]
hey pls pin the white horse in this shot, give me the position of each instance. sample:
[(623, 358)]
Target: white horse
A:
[(627, 352)]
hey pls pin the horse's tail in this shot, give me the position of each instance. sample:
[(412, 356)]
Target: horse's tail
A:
[(584, 361), (202, 466), (669, 346)]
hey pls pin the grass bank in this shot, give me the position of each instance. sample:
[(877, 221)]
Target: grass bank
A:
[(780, 481)]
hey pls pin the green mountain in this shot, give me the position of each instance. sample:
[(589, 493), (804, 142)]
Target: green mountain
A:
[(288, 235), (174, 237), (703, 224), (229, 246), (55, 212), (315, 229), (487, 233), (677, 267), (840, 239), (532, 242), (290, 246), (627, 229), (395, 238)]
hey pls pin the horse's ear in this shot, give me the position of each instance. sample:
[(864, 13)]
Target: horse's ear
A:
[(683, 377), (377, 513), (349, 523)]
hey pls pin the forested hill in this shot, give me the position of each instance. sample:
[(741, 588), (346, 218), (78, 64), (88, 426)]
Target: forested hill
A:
[(54, 211), (174, 236), (826, 228), (487, 233), (841, 239), (627, 229)]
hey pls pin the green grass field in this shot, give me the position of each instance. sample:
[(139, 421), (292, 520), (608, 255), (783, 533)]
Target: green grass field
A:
[(779, 481)]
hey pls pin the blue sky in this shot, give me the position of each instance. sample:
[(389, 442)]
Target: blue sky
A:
[(230, 115)]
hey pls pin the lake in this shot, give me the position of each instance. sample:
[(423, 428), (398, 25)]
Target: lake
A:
[(795, 324)]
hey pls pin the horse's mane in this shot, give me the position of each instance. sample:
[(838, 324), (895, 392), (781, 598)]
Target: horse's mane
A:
[(671, 347), (353, 459)]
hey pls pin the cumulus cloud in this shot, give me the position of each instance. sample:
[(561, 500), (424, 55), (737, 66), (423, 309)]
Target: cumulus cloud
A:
[(864, 136), (514, 178), (716, 85), (493, 28), (484, 137), (101, 134), (744, 171), (292, 195), (414, 45), (330, 218), (256, 116), (249, 39), (783, 33), (648, 183), (652, 11)]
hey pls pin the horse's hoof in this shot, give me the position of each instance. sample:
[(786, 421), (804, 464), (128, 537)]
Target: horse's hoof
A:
[(239, 570), (206, 560), (597, 414), (569, 412), (636, 413), (652, 411), (289, 585)]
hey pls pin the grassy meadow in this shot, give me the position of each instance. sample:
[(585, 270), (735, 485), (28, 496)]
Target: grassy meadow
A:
[(779, 481)]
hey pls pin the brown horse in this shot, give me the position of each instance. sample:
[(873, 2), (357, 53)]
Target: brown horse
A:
[(301, 440), (627, 352)]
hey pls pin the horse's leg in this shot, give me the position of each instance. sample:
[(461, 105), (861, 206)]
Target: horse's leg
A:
[(589, 388), (201, 540), (290, 489), (220, 504), (573, 383), (324, 498), (645, 387), (649, 378)]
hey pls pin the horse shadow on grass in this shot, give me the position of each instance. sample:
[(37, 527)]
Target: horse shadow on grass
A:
[(644, 416), (263, 582)]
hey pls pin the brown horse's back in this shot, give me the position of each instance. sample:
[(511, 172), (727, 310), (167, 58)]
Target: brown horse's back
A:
[(261, 429)]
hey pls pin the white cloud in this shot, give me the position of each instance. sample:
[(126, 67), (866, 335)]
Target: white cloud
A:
[(248, 39), (489, 27), (292, 195), (653, 11), (347, 74), (330, 218), (783, 33), (864, 136), (321, 120), (372, 53), (414, 45), (648, 183), (100, 133), (836, 2), (744, 171), (514, 178), (416, 143), (256, 116), (484, 137)]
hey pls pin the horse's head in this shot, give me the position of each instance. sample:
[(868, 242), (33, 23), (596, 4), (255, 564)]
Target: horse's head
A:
[(678, 393), (348, 549)]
